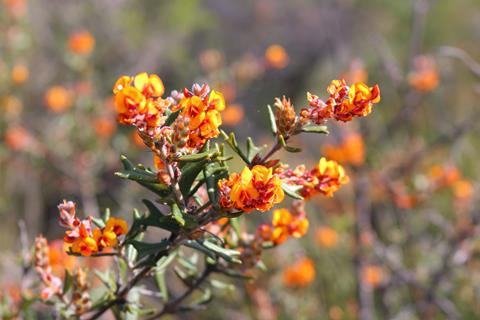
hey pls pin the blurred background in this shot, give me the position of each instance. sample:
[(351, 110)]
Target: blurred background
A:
[(399, 242)]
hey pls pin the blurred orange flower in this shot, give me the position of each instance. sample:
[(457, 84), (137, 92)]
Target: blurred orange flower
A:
[(326, 237), (211, 59), (425, 76), (276, 56), (137, 139), (104, 127), (58, 99), (373, 275), (20, 74), (59, 259), (356, 72), (15, 7), (233, 115), (351, 150), (18, 138), (81, 42), (300, 274), (463, 189)]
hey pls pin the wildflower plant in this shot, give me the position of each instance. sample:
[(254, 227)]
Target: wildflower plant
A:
[(198, 201)]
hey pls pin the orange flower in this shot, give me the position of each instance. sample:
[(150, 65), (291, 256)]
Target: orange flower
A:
[(58, 99), (203, 113), (330, 176), (59, 259), (117, 226), (233, 115), (351, 150), (284, 224), (81, 42), (18, 138), (257, 188), (276, 56), (104, 127), (358, 102), (344, 103), (85, 246), (300, 274), (425, 77), (20, 74), (372, 275), (463, 189), (104, 238), (139, 103), (326, 237)]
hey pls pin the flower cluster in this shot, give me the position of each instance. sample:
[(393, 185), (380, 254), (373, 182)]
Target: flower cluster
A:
[(202, 107), (325, 178), (258, 188), (285, 224), (344, 102), (51, 284), (139, 103), (82, 238)]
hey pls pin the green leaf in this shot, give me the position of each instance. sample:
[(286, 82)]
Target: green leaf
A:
[(284, 145), (67, 282), (127, 165), (252, 149), (198, 156), (177, 214), (315, 129), (197, 246), (172, 117), (98, 222), (292, 191), (227, 254), (145, 248), (273, 123), (136, 176), (189, 173), (154, 211), (232, 142), (222, 285), (106, 215), (160, 270)]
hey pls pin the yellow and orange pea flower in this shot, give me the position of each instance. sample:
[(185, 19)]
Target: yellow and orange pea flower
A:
[(359, 101), (424, 77), (19, 74), (88, 242), (59, 259), (276, 56), (326, 237), (344, 102), (204, 116), (58, 99), (300, 274), (327, 177), (284, 224), (257, 188), (81, 42), (351, 150)]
